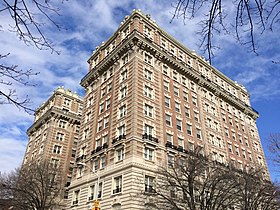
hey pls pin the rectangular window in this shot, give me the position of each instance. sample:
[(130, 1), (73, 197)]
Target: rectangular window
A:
[(105, 139), (117, 185), (179, 124), (175, 75), (62, 124), (196, 116), (229, 147), (167, 102), (88, 116), (148, 153), (148, 59), (123, 75), (148, 91), (123, 92), (76, 197), (95, 165), (194, 101), (191, 146), (236, 150), (198, 133), (187, 112), (181, 142), (189, 129), (170, 160), (168, 120), (169, 138), (57, 149), (109, 87), (106, 122), (149, 184), (148, 110), (176, 91), (86, 132), (99, 125), (120, 154), (103, 91), (91, 193), (166, 85), (165, 70), (122, 111), (103, 162), (121, 130), (148, 129), (99, 195), (101, 108), (60, 136), (177, 107), (125, 59), (148, 32), (185, 95), (66, 102), (148, 74), (108, 103)]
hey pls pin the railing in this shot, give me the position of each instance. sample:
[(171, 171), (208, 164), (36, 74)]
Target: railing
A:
[(120, 137), (150, 137), (117, 190), (99, 148)]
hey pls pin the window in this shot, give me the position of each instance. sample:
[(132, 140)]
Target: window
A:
[(122, 111), (103, 91), (99, 195), (98, 143), (86, 132), (57, 149), (149, 184), (125, 32), (185, 95), (187, 112), (120, 154), (196, 116), (148, 59), (109, 87), (148, 110), (123, 75), (90, 101), (184, 81), (108, 103), (101, 107), (244, 153), (125, 59), (104, 77), (66, 102), (76, 197), (148, 91), (121, 130), (148, 129), (117, 185), (169, 138), (148, 74), (167, 101), (179, 124), (163, 43), (181, 142), (165, 70), (54, 163), (170, 160), (237, 150), (191, 146), (177, 107), (166, 85), (95, 165), (62, 124), (229, 147), (233, 136), (91, 193), (148, 153), (106, 122), (194, 101), (176, 91), (123, 92), (168, 120), (226, 132), (103, 162), (148, 32), (105, 139), (175, 75), (99, 125), (88, 115), (198, 133), (189, 129), (60, 136)]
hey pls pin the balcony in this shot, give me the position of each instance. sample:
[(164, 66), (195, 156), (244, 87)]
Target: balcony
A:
[(90, 198), (168, 144), (180, 149), (99, 148), (149, 189), (149, 137), (119, 138), (117, 190), (75, 202)]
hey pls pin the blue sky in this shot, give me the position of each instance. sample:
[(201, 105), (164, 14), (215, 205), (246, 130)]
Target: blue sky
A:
[(88, 23)]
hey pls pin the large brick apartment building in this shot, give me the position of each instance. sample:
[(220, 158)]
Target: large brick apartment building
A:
[(148, 99)]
